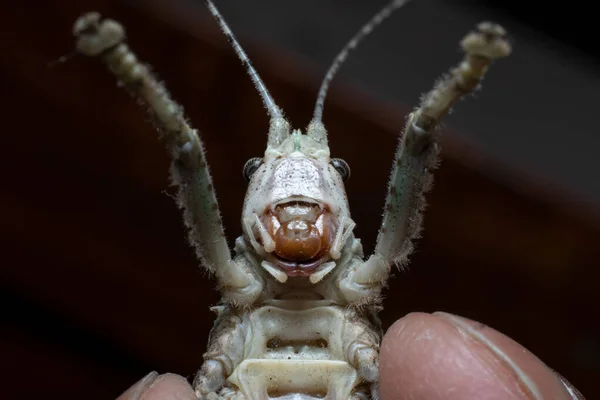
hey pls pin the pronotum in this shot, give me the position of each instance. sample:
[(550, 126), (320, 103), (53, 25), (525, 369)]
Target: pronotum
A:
[(298, 318)]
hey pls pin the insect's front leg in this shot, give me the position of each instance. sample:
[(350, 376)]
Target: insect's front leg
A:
[(416, 157), (189, 171)]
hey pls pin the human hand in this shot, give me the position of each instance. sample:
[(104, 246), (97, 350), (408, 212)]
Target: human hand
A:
[(430, 357)]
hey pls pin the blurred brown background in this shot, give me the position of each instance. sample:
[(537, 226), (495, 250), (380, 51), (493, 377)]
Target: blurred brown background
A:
[(98, 284)]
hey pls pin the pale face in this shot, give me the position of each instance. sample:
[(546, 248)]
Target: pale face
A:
[(294, 205)]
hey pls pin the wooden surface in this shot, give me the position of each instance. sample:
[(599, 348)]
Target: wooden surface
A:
[(98, 283)]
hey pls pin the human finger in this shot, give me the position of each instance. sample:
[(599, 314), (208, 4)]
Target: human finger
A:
[(160, 387), (442, 356)]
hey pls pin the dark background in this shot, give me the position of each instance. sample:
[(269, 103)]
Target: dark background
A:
[(97, 282)]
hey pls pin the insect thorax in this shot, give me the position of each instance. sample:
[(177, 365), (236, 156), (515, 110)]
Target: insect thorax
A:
[(296, 347)]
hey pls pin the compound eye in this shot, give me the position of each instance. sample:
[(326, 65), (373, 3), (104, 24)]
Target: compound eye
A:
[(250, 167), (342, 167)]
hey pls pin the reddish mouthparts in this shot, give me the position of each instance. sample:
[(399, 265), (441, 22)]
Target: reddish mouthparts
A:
[(298, 240), (303, 234)]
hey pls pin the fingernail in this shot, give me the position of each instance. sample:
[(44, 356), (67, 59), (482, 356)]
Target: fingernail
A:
[(573, 392), (135, 392), (476, 332)]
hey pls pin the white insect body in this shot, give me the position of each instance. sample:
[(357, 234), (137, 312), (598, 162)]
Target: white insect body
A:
[(298, 316)]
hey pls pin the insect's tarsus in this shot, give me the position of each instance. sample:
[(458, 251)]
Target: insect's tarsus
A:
[(416, 155)]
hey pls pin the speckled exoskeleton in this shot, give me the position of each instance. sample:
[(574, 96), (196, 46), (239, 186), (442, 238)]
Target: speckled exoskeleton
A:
[(298, 319)]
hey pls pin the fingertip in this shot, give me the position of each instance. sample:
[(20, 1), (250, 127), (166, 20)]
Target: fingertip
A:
[(136, 390), (447, 357), (170, 387), (160, 387), (406, 355)]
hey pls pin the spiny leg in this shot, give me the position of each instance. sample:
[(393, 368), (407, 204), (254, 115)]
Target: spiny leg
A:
[(189, 170), (360, 340), (416, 156), (359, 395), (225, 352)]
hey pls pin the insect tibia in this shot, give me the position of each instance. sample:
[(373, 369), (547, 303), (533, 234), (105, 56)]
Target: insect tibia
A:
[(189, 169), (418, 149)]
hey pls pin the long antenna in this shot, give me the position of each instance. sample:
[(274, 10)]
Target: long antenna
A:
[(270, 105), (351, 45)]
